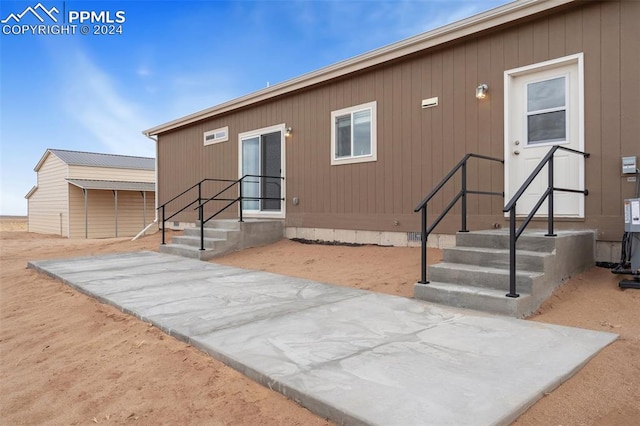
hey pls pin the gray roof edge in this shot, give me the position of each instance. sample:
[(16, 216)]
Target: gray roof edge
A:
[(112, 184), (90, 159), (31, 191)]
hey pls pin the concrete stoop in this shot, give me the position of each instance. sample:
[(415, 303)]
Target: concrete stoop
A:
[(475, 273), (225, 236)]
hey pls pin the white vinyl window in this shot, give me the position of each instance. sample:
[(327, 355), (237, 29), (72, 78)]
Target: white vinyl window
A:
[(216, 136), (353, 134), (547, 111)]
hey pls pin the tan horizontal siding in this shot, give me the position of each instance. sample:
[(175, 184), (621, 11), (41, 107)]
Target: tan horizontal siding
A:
[(130, 212), (417, 147), (109, 173), (48, 204)]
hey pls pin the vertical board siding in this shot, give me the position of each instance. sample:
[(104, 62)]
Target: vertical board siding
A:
[(495, 133), (610, 109), (629, 78), (48, 204), (593, 125), (101, 217), (417, 147)]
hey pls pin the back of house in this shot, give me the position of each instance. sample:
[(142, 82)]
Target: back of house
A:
[(360, 143)]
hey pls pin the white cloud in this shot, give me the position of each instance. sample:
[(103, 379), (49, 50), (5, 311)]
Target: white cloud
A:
[(92, 99), (143, 71)]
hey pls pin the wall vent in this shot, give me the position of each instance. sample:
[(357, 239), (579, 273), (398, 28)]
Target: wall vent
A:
[(216, 136), (414, 236)]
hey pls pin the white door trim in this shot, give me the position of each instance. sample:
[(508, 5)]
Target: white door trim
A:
[(509, 76), (258, 132)]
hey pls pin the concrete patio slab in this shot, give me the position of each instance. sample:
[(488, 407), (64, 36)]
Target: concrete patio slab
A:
[(353, 356)]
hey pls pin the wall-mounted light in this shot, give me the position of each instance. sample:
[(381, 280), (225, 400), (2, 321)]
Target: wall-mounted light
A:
[(481, 91), (287, 132)]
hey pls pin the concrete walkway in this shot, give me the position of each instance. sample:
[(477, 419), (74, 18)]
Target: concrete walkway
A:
[(353, 356)]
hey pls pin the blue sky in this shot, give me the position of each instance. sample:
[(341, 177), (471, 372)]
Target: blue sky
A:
[(98, 92)]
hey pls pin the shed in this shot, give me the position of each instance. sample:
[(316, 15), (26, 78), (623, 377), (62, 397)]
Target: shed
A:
[(361, 142), (91, 195)]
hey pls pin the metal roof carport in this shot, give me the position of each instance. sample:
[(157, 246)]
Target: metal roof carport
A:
[(109, 185)]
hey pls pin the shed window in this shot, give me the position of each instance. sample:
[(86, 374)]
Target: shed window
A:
[(353, 134)]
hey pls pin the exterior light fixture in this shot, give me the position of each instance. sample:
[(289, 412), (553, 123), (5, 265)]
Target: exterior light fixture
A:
[(287, 132), (481, 91)]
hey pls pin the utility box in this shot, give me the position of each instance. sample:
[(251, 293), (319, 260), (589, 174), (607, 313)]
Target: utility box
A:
[(632, 215), (629, 165)]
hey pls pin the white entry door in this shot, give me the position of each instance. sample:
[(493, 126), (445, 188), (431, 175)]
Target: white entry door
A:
[(543, 108)]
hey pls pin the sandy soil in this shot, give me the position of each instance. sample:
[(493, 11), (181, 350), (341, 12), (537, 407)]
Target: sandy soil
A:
[(67, 359)]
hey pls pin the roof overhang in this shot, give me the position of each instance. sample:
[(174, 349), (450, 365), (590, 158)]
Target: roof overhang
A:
[(42, 160), (112, 185), (31, 191), (492, 18)]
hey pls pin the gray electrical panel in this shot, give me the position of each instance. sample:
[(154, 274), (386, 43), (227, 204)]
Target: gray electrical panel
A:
[(629, 165), (632, 215)]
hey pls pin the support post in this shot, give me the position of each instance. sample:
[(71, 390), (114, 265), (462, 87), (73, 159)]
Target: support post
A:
[(163, 243), (550, 198), (423, 248), (241, 200), (144, 210), (512, 253), (86, 213), (201, 218), (115, 201), (464, 197)]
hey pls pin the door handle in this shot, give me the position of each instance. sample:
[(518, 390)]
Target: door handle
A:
[(516, 152)]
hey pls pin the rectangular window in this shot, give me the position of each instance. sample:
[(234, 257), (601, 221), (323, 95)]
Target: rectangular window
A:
[(547, 111), (353, 134), (216, 136)]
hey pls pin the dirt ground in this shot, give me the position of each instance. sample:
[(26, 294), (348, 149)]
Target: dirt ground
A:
[(67, 359)]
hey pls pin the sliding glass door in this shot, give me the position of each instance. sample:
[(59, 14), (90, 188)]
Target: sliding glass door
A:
[(261, 155)]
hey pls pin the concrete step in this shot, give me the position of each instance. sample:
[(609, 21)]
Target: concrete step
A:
[(477, 298), (228, 224), (180, 250), (209, 232), (250, 224), (482, 276), (496, 258), (475, 274), (194, 241), (499, 239), (224, 236)]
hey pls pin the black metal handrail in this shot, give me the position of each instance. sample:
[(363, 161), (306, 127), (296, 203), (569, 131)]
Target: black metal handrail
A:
[(162, 208), (514, 233), (426, 230), (231, 201), (201, 202)]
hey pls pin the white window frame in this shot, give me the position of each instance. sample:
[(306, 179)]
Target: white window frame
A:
[(372, 107), (216, 140), (282, 214), (565, 108)]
